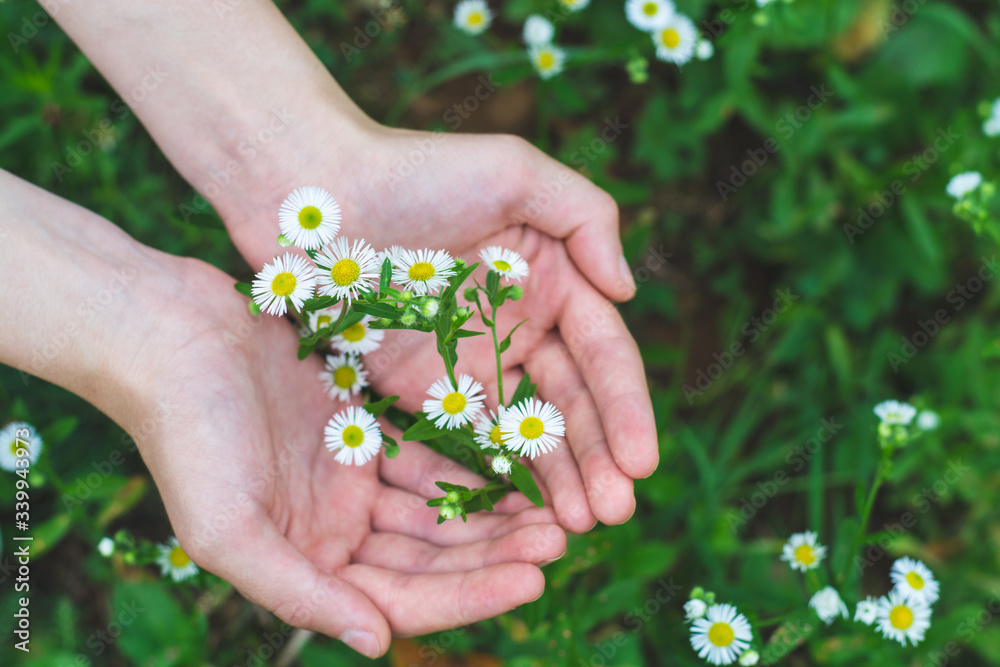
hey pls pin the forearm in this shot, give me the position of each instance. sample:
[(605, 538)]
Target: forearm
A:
[(80, 298), (228, 93)]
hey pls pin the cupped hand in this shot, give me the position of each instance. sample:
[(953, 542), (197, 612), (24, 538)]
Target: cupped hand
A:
[(462, 193), (255, 497)]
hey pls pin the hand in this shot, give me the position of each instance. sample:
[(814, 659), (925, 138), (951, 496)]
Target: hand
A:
[(253, 495), (462, 193)]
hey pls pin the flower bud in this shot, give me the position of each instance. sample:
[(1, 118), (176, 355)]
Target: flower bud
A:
[(501, 465), (452, 497), (448, 512), (106, 547), (460, 263), (407, 295), (694, 608), (749, 657), (284, 241), (408, 319), (385, 321), (470, 293), (515, 293), (430, 308)]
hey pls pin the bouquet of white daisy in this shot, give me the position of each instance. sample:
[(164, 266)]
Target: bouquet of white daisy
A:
[(345, 295)]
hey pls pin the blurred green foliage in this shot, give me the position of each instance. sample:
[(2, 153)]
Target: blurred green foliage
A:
[(736, 178)]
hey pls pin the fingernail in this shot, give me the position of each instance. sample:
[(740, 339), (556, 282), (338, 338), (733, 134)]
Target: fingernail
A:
[(626, 273), (552, 560), (363, 642)]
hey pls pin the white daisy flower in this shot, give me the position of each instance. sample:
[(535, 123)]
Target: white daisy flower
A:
[(902, 618), (359, 338), (532, 427), (450, 407), (675, 41), (928, 420), (320, 319), (964, 183), (309, 218), (289, 277), (106, 547), (750, 657), (547, 59), (343, 376), (722, 635), (473, 16), (538, 30), (423, 271), (828, 605), (649, 15), (915, 580), (802, 552), (704, 49), (501, 465), (392, 254), (354, 435), (174, 562), (895, 412), (866, 611), (344, 271), (991, 127), (506, 262), (487, 430), (13, 440), (694, 609), (574, 5)]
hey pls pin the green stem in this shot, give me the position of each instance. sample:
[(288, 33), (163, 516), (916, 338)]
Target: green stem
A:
[(340, 319), (496, 349), (880, 474)]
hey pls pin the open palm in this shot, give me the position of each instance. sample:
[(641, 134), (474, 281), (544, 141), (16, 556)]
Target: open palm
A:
[(255, 497), (462, 193)]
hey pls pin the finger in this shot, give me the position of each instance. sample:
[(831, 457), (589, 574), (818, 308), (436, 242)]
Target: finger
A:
[(405, 513), (608, 489), (562, 203), (609, 360), (268, 570), (416, 604), (538, 544)]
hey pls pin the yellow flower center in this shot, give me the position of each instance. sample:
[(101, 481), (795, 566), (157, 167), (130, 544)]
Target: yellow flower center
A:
[(353, 436), (323, 321), (805, 554), (502, 265), (475, 18), (422, 271), (720, 634), (532, 427), (13, 447), (649, 9), (354, 333), (310, 217), (915, 581), (178, 558), (283, 284), (545, 61), (495, 436), (670, 38), (344, 377), (453, 403), (345, 272), (901, 617)]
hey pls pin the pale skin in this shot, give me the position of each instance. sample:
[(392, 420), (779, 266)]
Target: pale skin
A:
[(237, 454)]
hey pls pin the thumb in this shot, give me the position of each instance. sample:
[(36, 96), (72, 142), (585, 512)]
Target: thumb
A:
[(269, 571), (564, 204)]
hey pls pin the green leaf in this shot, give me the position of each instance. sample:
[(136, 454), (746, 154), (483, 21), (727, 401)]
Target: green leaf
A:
[(389, 445), (466, 333), (423, 430), (492, 285), (521, 477), (159, 632), (379, 310), (59, 430), (319, 303), (505, 343), (455, 282), (305, 351), (244, 289), (788, 637), (525, 390), (386, 276), (378, 407)]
